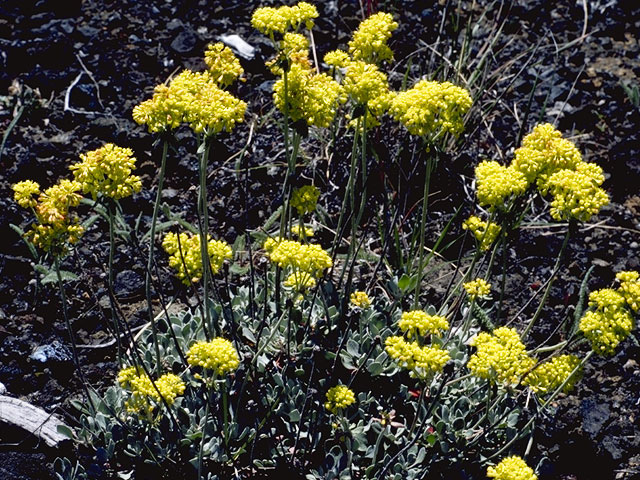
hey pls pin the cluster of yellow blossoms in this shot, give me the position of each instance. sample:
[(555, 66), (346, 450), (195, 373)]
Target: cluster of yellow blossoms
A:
[(360, 299), (196, 98), (305, 199), (338, 398), (224, 66), (302, 231), (611, 321), (185, 256), (107, 171), (512, 468), (306, 262), (422, 361), (547, 377), (484, 232), (555, 165), (144, 396), (496, 183), (417, 322), (269, 20), (367, 86), (218, 355), (431, 108), (369, 42), (312, 97), (56, 226), (477, 288), (501, 357)]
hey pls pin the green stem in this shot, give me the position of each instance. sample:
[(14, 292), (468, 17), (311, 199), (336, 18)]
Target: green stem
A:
[(112, 247), (65, 312), (204, 429), (204, 234), (150, 261), (556, 267), (225, 414), (423, 222)]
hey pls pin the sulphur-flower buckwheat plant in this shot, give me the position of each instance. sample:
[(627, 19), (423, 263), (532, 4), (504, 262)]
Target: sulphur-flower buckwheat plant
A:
[(311, 97), (501, 357), (548, 376), (107, 171), (495, 184), (609, 322), (144, 396), (305, 199), (185, 255), (417, 322), (269, 20), (431, 108), (366, 85), (477, 288), (484, 232), (360, 299), (224, 66), (422, 362), (24, 193), (339, 398), (511, 468), (218, 355), (302, 231), (630, 288), (369, 42)]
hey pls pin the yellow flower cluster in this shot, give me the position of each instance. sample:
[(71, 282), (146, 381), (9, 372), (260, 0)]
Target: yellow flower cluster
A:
[(360, 299), (218, 355), (610, 321), (337, 58), (417, 322), (107, 171), (577, 193), (368, 86), (310, 259), (24, 193), (544, 152), (55, 225), (630, 288), (423, 362), (484, 232), (547, 377), (338, 398), (143, 391), (302, 231), (496, 183), (431, 108), (477, 288), (224, 66), (512, 468), (311, 97), (369, 42), (501, 357), (300, 281), (305, 199), (193, 98), (185, 256), (268, 20)]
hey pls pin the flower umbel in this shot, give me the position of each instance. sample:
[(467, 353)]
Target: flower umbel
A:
[(419, 322), (107, 171), (360, 300), (338, 398), (24, 193), (511, 468), (477, 288), (218, 355)]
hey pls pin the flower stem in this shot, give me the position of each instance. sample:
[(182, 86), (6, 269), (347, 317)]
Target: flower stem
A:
[(150, 261)]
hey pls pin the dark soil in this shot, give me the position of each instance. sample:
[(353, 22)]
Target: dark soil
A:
[(100, 59)]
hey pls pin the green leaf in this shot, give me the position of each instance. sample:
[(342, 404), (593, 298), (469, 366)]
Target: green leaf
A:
[(294, 415), (52, 277), (403, 282), (66, 431), (375, 368)]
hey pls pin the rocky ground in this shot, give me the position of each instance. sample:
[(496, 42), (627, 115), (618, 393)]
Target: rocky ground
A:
[(71, 73)]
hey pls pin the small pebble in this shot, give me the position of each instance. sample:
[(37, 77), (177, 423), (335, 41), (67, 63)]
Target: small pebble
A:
[(3, 389)]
